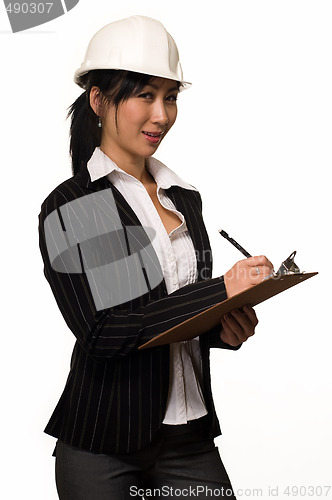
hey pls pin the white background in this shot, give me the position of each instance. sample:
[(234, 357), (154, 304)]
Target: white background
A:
[(254, 136)]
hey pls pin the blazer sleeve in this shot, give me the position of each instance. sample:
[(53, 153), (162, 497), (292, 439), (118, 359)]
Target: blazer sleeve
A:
[(118, 331)]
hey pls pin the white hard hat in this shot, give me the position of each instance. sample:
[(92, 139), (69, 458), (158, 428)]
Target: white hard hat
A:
[(138, 43)]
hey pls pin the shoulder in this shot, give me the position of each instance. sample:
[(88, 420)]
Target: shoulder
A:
[(65, 192)]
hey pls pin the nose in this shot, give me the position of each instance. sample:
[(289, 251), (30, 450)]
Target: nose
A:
[(159, 113)]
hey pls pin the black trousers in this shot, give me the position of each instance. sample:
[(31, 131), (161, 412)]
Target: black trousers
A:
[(181, 463)]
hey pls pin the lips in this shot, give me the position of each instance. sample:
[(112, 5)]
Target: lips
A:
[(153, 137)]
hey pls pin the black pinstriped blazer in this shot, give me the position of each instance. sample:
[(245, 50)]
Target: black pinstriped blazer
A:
[(115, 396)]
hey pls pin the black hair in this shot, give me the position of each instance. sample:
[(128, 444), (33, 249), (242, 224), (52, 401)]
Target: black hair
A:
[(116, 86)]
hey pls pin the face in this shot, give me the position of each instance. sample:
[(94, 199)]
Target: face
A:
[(141, 122)]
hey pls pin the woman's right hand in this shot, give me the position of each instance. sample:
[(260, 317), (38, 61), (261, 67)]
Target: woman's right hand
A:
[(247, 273)]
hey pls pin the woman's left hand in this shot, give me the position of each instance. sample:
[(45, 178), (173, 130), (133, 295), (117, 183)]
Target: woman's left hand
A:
[(238, 326)]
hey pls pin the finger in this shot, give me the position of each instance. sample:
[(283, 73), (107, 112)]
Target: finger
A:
[(245, 326), (237, 330), (257, 273), (250, 312), (227, 335), (260, 261)]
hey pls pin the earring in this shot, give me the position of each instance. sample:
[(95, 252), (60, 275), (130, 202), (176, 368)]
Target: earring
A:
[(99, 122)]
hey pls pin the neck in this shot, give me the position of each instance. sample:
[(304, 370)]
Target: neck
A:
[(135, 166)]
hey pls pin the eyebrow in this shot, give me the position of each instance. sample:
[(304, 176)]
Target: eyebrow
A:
[(157, 88)]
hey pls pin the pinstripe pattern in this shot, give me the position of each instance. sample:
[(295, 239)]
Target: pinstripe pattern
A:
[(115, 396)]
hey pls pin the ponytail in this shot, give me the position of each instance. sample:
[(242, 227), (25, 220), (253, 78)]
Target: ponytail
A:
[(85, 134)]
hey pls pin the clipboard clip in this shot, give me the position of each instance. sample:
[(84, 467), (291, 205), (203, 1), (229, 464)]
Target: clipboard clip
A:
[(288, 266)]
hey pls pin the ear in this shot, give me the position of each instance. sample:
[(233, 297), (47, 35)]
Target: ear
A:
[(95, 101)]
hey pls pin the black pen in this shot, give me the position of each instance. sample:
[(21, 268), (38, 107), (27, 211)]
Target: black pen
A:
[(235, 243)]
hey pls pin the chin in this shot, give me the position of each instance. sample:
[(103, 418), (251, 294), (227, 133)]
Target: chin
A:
[(150, 151)]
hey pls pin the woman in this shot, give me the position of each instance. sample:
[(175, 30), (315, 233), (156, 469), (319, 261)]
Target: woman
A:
[(132, 422)]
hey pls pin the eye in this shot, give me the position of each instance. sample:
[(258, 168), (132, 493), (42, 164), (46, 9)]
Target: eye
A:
[(172, 98), (146, 95)]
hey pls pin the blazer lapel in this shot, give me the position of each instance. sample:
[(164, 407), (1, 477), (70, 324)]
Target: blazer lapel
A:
[(188, 202), (126, 213)]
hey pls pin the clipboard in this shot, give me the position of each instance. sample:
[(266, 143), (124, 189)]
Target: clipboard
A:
[(204, 321)]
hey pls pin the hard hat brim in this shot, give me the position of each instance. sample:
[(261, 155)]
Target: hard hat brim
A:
[(184, 85)]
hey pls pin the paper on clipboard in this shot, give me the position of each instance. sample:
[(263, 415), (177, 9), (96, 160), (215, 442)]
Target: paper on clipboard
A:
[(204, 321)]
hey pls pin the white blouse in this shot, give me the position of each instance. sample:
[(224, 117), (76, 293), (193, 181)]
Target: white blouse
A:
[(177, 258)]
